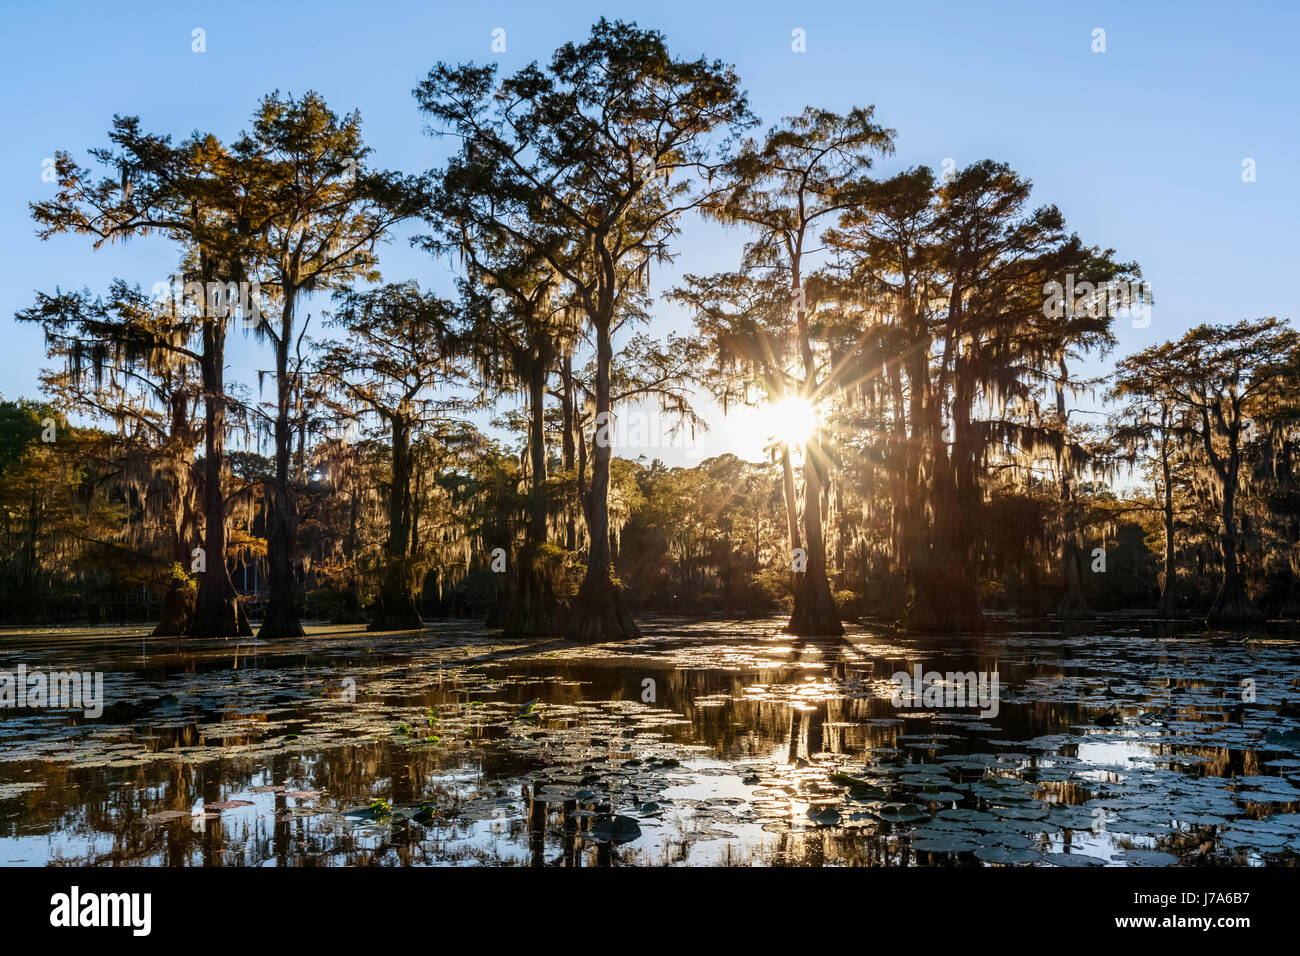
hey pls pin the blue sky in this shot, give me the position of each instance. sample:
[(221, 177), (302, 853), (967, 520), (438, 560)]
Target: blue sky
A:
[(1141, 146)]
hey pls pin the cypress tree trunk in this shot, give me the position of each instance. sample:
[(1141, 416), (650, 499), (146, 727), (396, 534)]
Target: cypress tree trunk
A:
[(1232, 606), (178, 608), (282, 532), (791, 510), (1169, 602), (532, 608), (814, 610), (216, 607), (1074, 604), (350, 612), (943, 587), (599, 611), (911, 549), (396, 610), (178, 604), (567, 450)]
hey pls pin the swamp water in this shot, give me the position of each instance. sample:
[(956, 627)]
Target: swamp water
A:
[(703, 743)]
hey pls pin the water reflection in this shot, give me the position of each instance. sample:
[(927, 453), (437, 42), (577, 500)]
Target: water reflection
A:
[(722, 744)]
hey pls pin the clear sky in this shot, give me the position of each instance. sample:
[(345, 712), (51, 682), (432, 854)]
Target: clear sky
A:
[(1141, 146)]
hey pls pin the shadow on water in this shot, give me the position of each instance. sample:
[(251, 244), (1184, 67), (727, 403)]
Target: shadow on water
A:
[(701, 743)]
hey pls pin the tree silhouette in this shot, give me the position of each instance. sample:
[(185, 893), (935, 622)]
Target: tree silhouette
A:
[(581, 156), (1218, 374)]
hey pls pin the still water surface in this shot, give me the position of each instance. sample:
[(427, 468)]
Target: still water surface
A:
[(703, 743)]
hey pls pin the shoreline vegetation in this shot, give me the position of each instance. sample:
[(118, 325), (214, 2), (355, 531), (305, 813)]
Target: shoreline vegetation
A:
[(917, 344)]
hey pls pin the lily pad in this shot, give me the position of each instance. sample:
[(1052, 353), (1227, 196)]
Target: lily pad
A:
[(1148, 858), (1073, 859), (824, 816), (1007, 856), (616, 829)]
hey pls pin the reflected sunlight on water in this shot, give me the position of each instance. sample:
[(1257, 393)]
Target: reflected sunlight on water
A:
[(1118, 745)]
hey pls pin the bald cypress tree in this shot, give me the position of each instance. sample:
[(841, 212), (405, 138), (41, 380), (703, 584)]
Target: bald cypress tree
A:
[(788, 187), (395, 354), (316, 215), (583, 155), (188, 194), (1218, 376)]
